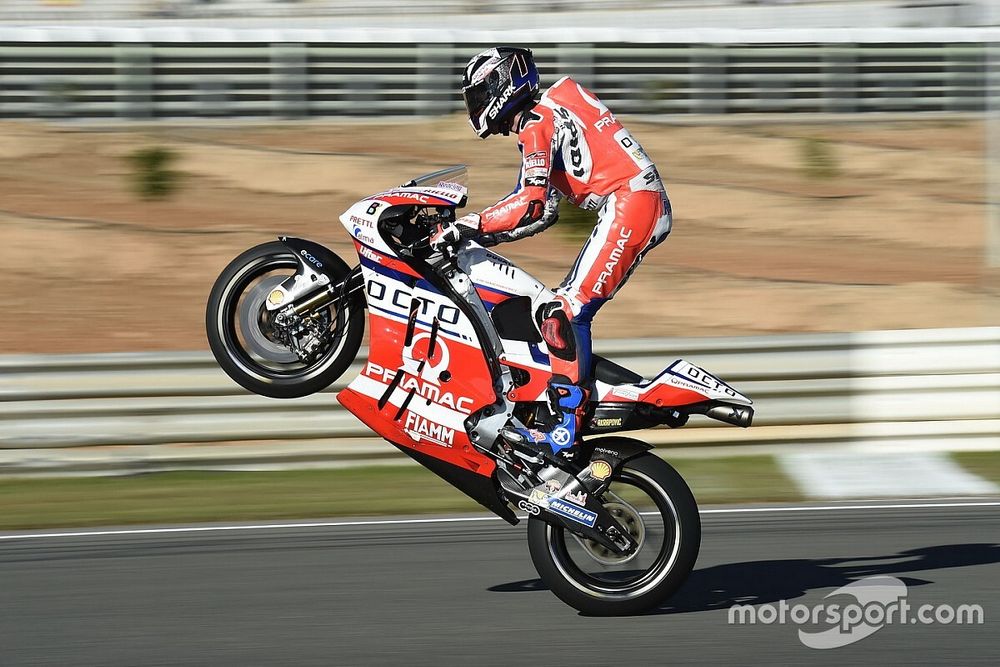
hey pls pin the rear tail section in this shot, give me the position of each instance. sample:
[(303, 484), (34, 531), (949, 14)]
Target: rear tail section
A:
[(680, 390)]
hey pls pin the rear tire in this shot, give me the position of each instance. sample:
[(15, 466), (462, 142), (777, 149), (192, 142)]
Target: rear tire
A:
[(237, 326), (603, 591)]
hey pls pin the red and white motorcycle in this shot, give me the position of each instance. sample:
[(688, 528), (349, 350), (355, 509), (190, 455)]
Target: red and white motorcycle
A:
[(455, 360)]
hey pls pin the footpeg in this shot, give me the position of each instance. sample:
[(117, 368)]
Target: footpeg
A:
[(511, 435)]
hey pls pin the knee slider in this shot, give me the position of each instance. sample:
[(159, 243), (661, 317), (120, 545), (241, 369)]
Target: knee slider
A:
[(557, 331)]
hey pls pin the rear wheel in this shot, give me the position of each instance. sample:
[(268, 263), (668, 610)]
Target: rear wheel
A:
[(654, 504), (252, 345)]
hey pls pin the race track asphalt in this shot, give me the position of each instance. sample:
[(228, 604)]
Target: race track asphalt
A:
[(465, 593)]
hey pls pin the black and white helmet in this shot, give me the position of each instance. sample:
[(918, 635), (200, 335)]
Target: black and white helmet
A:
[(497, 84)]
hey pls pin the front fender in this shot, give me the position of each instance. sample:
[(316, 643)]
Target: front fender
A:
[(318, 257), (318, 267)]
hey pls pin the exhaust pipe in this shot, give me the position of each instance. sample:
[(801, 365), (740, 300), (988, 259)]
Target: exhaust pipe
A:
[(737, 415)]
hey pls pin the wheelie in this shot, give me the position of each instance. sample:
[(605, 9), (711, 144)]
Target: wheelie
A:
[(477, 370)]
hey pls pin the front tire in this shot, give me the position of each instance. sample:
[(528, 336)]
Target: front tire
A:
[(242, 337), (654, 503)]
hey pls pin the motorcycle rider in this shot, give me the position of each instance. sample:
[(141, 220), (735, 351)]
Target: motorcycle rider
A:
[(571, 146)]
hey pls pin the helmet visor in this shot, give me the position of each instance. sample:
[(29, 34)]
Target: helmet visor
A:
[(476, 98), (479, 96)]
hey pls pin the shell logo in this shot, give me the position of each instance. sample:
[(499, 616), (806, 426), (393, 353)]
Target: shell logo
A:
[(600, 469)]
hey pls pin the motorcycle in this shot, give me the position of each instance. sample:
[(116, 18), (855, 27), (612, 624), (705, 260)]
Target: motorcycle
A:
[(455, 362)]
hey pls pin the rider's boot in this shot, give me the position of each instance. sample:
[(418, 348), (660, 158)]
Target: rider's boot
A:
[(558, 433)]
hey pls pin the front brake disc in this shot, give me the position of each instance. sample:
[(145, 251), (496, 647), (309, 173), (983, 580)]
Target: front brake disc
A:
[(250, 324)]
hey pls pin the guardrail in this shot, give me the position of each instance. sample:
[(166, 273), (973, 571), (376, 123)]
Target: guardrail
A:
[(178, 73), (166, 10), (946, 379)]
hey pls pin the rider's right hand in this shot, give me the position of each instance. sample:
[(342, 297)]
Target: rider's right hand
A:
[(450, 233)]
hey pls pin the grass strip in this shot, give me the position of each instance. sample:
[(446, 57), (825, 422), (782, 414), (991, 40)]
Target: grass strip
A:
[(984, 464), (736, 479), (174, 497)]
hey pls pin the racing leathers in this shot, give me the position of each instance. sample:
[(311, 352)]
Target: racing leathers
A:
[(572, 143)]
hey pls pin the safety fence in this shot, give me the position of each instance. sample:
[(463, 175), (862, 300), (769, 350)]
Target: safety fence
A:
[(920, 383), (190, 73), (152, 10)]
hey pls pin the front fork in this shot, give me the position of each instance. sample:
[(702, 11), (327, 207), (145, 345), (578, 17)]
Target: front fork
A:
[(295, 306), (331, 293), (312, 280)]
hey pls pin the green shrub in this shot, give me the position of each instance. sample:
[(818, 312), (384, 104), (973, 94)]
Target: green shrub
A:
[(576, 223), (59, 98), (152, 177), (818, 158), (659, 90)]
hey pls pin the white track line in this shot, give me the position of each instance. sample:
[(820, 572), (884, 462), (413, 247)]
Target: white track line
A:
[(465, 519), (826, 508), (263, 526)]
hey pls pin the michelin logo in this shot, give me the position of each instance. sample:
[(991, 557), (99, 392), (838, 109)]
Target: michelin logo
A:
[(572, 512)]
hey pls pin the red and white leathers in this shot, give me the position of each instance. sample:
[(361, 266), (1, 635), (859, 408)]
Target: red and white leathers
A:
[(572, 142)]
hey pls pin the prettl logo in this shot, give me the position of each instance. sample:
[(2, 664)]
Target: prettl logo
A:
[(878, 601)]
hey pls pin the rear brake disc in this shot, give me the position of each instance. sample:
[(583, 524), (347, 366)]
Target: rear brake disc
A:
[(630, 518)]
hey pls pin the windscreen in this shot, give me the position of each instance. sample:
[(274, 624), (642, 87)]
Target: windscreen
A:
[(458, 174)]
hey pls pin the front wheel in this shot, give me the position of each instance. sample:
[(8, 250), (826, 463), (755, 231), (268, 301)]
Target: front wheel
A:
[(651, 500), (252, 346)]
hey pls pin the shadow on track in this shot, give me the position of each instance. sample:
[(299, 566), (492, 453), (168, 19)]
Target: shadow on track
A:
[(760, 582)]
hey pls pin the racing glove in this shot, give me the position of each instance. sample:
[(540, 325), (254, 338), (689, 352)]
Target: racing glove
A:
[(450, 233)]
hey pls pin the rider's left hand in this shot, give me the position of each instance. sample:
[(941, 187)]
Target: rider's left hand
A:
[(449, 233)]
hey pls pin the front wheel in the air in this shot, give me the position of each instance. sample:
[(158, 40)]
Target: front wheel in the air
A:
[(256, 351)]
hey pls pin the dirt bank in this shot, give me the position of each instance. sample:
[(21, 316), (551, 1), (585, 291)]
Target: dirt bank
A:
[(778, 228)]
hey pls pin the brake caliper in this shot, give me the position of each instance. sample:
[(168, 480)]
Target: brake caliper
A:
[(303, 336)]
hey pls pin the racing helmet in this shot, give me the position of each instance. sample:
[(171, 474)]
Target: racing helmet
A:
[(497, 84)]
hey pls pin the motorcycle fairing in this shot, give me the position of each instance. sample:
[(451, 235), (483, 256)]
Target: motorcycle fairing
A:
[(429, 382), (678, 391), (679, 384), (433, 374), (425, 374)]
